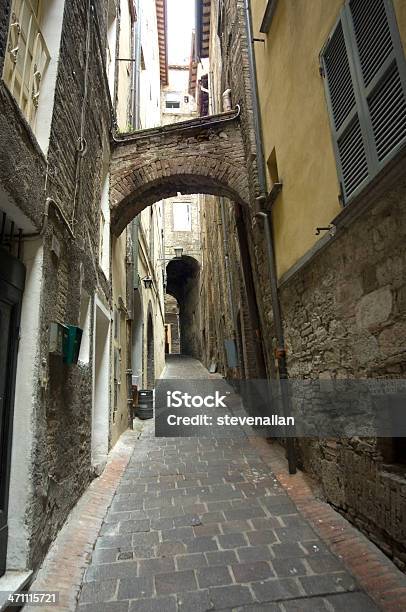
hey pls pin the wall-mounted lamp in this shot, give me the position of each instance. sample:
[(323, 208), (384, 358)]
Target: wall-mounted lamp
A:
[(147, 280), (178, 255)]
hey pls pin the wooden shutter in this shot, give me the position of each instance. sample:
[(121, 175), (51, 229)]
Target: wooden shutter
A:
[(364, 67), (349, 142), (380, 60)]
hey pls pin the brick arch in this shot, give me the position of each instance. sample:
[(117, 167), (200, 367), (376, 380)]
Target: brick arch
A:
[(203, 155)]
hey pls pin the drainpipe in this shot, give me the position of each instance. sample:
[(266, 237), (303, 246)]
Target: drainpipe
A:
[(228, 271), (267, 218)]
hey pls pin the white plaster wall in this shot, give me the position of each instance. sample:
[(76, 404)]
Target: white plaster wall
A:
[(21, 487)]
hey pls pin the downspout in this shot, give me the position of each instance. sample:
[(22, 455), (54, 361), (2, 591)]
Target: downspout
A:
[(267, 218), (228, 273)]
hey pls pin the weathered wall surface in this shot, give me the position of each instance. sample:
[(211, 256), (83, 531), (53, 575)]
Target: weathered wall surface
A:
[(62, 408), (62, 466), (344, 312)]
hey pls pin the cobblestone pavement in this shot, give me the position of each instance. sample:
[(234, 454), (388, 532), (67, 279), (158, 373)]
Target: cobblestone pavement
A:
[(202, 524)]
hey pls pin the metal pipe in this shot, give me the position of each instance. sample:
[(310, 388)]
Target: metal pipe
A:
[(276, 308)]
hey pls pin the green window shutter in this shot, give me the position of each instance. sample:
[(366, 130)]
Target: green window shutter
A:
[(380, 62), (348, 138), (364, 67)]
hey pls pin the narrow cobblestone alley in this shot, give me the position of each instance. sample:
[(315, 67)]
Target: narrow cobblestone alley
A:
[(201, 524)]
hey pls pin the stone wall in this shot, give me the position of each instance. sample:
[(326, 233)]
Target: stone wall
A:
[(62, 407), (343, 311)]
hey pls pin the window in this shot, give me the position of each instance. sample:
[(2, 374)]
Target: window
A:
[(27, 57), (363, 65), (182, 219), (172, 100)]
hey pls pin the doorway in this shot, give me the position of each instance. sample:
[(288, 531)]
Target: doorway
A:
[(12, 279), (101, 375)]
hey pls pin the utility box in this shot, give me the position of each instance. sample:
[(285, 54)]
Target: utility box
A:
[(65, 340), (71, 344)]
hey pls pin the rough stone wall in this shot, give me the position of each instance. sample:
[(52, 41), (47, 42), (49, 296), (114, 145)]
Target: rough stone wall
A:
[(345, 318), (61, 466)]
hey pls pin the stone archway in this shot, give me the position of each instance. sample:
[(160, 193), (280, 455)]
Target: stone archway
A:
[(203, 155)]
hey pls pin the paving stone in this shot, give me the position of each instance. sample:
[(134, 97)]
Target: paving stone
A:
[(328, 583), (122, 569), (268, 607), (213, 576), (230, 596), (198, 601), (156, 566), (236, 526), (111, 606), (135, 588), (178, 534), (286, 568), (235, 514), (286, 550), (322, 564), (134, 526), (314, 604), (212, 517), (254, 553), (170, 549), (257, 538), (119, 541), (175, 582), (105, 555), (294, 534), (207, 530), (186, 520), (202, 544), (162, 523), (248, 572), (356, 602), (95, 592), (232, 540), (192, 561), (221, 557), (160, 604), (267, 522), (279, 504), (276, 589), (145, 539)]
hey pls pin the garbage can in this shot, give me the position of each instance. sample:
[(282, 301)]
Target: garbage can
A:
[(145, 409)]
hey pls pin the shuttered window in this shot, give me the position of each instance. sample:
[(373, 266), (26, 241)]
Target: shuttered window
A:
[(364, 68)]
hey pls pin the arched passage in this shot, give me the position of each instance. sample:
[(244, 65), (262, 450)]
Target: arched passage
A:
[(183, 284), (203, 155)]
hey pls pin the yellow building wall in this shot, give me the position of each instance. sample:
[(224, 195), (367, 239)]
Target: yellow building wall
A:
[(400, 10), (295, 119)]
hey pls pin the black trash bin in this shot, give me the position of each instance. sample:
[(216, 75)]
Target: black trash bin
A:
[(145, 409)]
